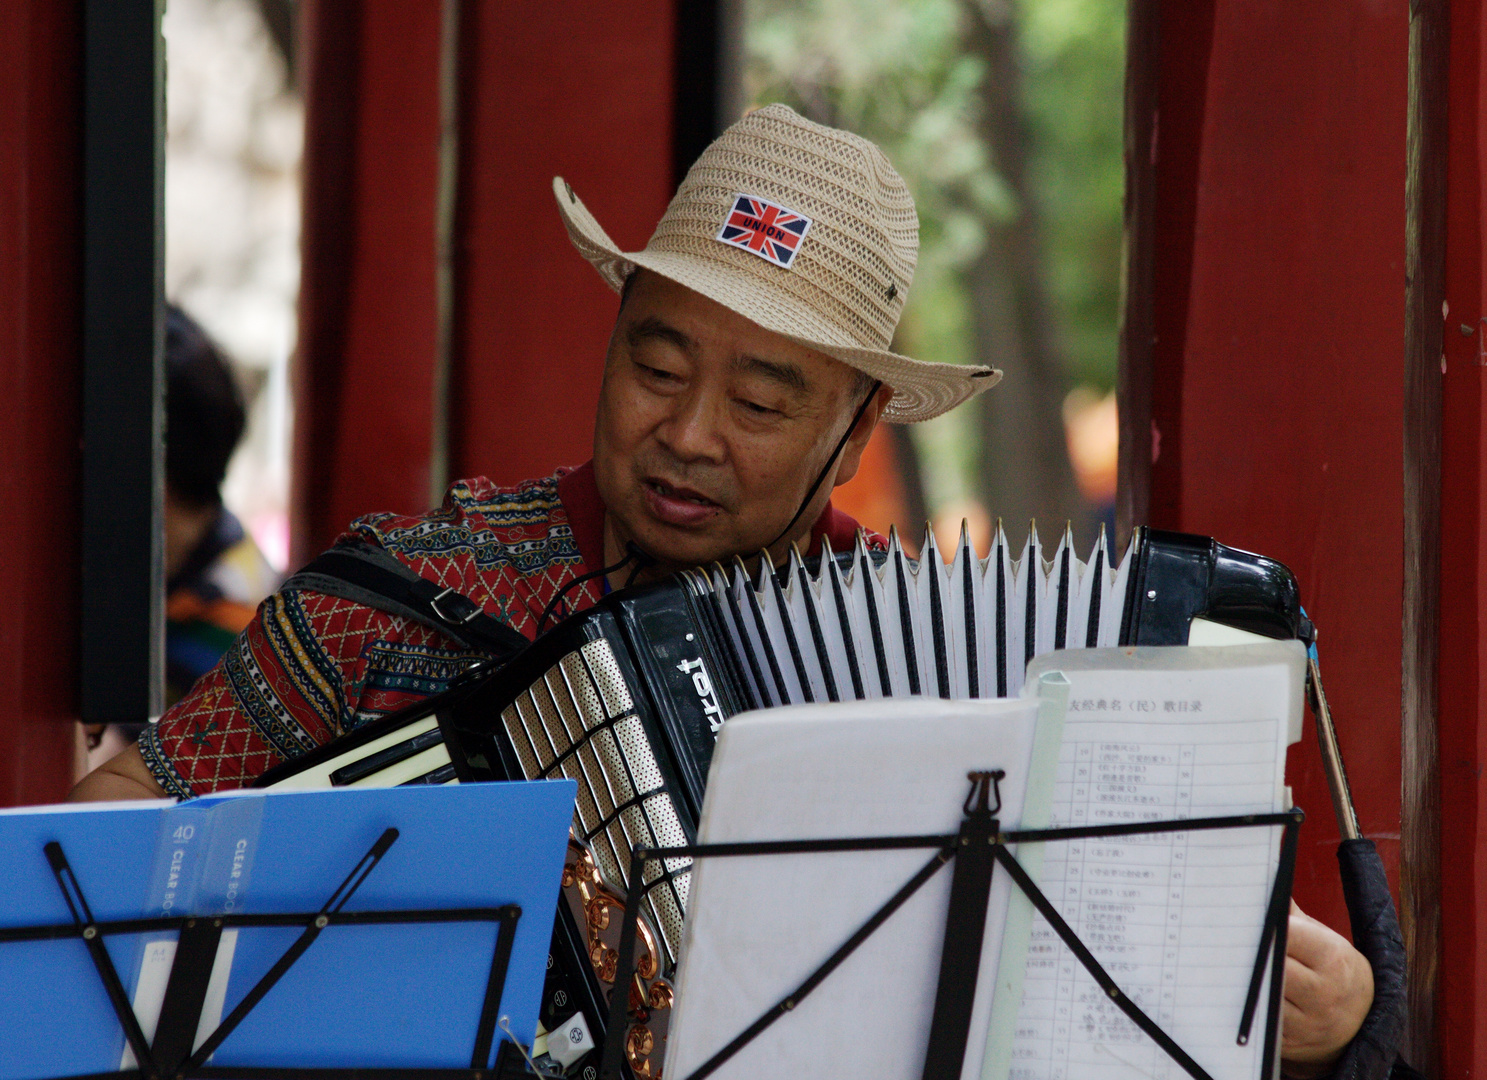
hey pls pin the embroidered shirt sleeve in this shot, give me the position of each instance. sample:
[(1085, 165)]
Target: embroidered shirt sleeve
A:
[(308, 668)]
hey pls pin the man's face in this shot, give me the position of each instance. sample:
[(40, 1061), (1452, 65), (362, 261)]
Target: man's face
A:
[(711, 429)]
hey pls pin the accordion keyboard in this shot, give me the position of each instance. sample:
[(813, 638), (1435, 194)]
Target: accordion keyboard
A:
[(579, 721)]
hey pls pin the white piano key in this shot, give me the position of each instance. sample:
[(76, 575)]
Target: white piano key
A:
[(1018, 592), (318, 776), (865, 591), (748, 601), (959, 630), (935, 664), (1052, 568), (838, 614), (1113, 607), (805, 609), (746, 659), (781, 630), (899, 621)]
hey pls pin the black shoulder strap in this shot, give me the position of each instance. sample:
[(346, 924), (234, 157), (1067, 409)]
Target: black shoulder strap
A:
[(368, 575)]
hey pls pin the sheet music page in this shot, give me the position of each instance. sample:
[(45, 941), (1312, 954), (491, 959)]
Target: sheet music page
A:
[(1175, 918), (758, 926)]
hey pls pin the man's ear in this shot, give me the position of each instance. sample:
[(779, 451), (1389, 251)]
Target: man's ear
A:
[(851, 458)]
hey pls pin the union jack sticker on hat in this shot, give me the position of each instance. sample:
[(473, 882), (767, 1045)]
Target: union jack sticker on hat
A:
[(765, 228)]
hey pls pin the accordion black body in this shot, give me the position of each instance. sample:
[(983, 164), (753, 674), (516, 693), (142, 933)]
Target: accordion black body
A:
[(627, 697)]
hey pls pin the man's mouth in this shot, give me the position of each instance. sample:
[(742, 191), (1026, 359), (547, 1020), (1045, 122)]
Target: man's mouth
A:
[(685, 494), (677, 505)]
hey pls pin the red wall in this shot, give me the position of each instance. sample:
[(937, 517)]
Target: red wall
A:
[(364, 369), (548, 95), (40, 383), (1278, 362), (538, 95), (1463, 974)]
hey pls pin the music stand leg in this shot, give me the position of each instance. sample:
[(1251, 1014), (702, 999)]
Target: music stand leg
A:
[(965, 930), (82, 916), (485, 1034)]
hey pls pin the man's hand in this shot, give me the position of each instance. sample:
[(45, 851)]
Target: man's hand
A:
[(1328, 992), (123, 776)]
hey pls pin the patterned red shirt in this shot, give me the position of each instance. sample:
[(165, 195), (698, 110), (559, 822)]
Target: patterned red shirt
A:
[(310, 667)]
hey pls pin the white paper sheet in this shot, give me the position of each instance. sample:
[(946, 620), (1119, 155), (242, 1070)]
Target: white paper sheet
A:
[(758, 926), (1175, 918)]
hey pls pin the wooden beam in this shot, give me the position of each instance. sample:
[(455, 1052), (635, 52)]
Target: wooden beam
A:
[(369, 308), (1133, 376), (1425, 208), (123, 486), (41, 384)]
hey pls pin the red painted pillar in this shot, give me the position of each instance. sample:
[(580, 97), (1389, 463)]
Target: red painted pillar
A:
[(365, 366), (40, 382), (538, 94), (1462, 727), (544, 94), (1277, 361)]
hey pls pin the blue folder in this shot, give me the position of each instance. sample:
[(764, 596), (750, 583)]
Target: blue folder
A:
[(367, 996)]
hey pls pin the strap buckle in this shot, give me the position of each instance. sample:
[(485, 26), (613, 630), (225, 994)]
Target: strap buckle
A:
[(461, 608)]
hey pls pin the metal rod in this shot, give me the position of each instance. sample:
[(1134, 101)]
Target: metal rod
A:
[(1337, 777)]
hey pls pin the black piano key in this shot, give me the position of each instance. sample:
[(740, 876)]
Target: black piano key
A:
[(1061, 620), (1001, 617), (936, 619), (1133, 587), (906, 622), (715, 622), (1031, 573), (1097, 593), (875, 628), (834, 572), (385, 758), (803, 582), (795, 657), (758, 692), (757, 613), (968, 598)]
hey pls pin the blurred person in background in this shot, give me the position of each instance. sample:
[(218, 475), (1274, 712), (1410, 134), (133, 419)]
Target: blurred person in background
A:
[(215, 575)]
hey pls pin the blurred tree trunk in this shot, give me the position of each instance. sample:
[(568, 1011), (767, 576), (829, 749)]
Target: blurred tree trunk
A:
[(1024, 470)]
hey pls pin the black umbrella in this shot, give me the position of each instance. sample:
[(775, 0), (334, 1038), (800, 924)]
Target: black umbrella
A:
[(1374, 1052)]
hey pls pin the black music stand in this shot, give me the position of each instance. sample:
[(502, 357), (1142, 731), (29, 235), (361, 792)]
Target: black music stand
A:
[(170, 1056), (977, 848)]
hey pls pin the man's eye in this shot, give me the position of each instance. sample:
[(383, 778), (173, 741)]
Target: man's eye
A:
[(757, 409), (656, 373)]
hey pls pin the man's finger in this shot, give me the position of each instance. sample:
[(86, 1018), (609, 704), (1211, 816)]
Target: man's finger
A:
[(1303, 985), (1315, 944)]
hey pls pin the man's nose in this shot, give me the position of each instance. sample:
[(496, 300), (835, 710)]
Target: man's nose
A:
[(692, 431)]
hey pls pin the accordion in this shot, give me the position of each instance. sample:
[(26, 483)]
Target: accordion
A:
[(626, 699)]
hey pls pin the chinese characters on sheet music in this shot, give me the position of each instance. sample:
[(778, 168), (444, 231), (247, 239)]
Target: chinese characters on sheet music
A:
[(1175, 918)]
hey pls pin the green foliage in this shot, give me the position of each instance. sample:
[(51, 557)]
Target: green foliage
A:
[(897, 72), (1074, 56)]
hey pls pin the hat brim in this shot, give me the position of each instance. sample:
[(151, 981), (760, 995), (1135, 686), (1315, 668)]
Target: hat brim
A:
[(922, 389)]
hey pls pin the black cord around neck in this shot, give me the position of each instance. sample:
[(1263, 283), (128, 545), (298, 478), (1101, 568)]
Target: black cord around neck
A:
[(633, 553), (821, 476)]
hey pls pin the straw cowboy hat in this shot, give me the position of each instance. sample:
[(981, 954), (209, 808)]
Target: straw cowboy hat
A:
[(805, 230)]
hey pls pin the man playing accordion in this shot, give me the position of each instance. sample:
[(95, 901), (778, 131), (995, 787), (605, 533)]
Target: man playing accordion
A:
[(749, 363)]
